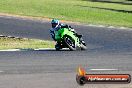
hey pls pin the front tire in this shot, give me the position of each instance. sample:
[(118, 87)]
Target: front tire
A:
[(70, 43)]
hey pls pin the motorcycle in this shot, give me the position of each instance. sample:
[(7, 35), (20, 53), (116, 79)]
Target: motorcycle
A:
[(67, 39)]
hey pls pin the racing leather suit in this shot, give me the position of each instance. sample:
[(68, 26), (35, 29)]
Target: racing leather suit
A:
[(52, 30)]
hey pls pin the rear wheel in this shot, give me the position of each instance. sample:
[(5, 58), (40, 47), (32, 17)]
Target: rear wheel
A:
[(70, 43), (83, 47)]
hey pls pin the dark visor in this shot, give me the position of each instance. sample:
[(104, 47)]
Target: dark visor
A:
[(54, 25)]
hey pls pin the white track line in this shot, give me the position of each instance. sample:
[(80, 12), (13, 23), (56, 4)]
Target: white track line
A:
[(49, 49), (103, 69), (45, 49), (28, 49), (9, 50)]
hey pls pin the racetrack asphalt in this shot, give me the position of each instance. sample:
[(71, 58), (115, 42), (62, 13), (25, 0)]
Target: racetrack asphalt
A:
[(108, 48)]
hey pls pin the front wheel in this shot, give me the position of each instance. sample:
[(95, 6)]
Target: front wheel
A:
[(70, 43)]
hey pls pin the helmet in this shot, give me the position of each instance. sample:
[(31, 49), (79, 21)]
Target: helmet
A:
[(55, 23)]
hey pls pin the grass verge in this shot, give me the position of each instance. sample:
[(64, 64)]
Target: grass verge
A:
[(85, 11), (14, 43)]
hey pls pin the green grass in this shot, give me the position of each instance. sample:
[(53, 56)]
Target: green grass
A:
[(71, 10), (13, 43)]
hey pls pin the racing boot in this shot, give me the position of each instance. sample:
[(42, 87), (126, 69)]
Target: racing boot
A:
[(82, 41), (78, 35)]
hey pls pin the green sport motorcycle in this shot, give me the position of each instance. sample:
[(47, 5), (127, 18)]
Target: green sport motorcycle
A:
[(67, 39)]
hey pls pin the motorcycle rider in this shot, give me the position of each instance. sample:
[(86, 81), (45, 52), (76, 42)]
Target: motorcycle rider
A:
[(56, 25)]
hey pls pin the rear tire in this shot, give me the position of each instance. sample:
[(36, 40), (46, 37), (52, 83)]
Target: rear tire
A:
[(83, 47), (83, 44)]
